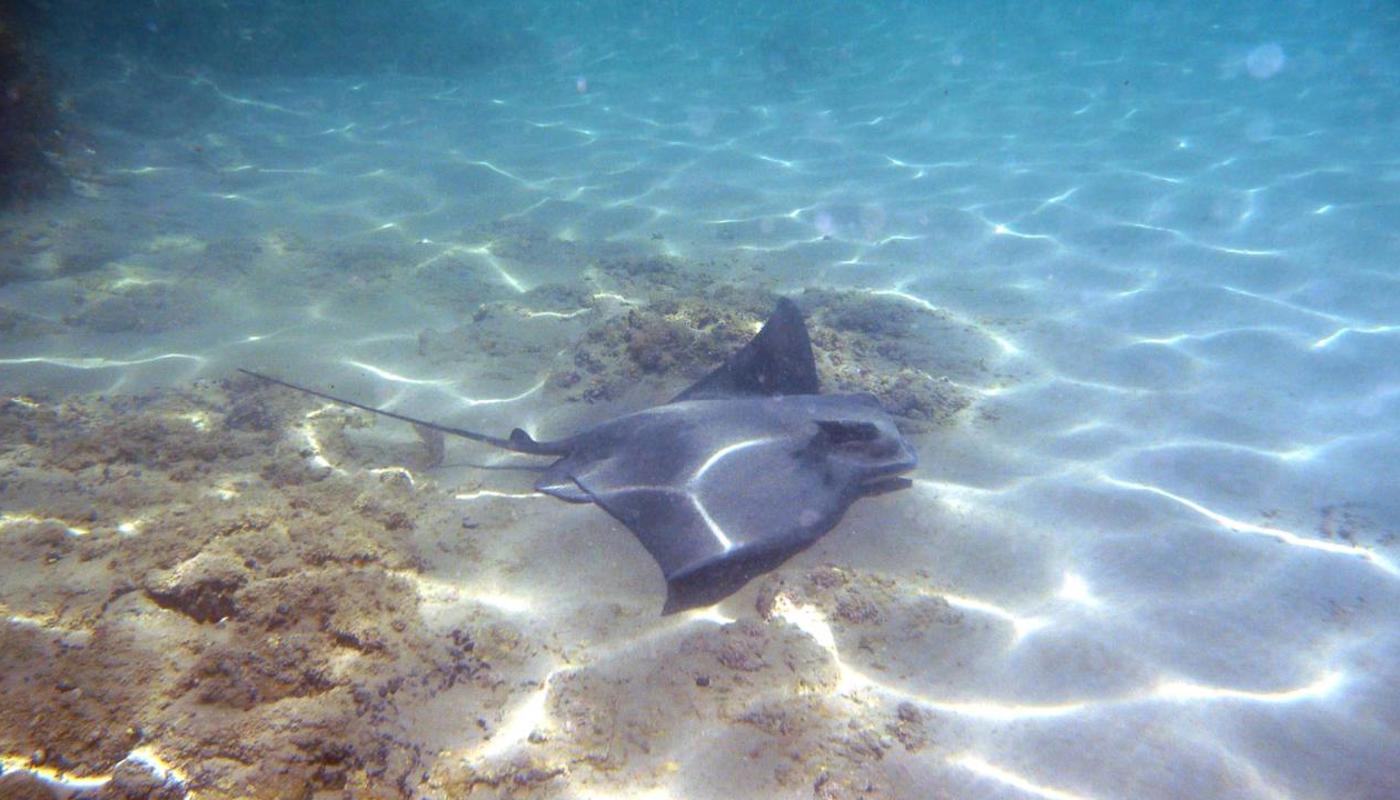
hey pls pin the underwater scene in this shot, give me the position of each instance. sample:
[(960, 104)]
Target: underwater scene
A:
[(688, 400)]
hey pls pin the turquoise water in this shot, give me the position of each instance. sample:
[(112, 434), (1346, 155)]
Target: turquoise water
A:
[(1166, 233)]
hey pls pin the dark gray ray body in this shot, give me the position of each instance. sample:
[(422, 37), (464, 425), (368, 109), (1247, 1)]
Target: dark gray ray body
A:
[(739, 472)]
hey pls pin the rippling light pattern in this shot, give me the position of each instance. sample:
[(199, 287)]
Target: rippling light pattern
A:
[(1142, 285), (1286, 537)]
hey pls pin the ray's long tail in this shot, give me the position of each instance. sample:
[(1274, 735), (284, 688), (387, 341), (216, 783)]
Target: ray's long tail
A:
[(519, 441)]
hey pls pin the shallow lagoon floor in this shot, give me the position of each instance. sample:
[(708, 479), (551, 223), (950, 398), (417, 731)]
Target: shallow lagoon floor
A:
[(1136, 307)]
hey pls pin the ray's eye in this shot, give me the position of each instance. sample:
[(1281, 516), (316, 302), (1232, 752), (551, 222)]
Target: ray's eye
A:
[(839, 432)]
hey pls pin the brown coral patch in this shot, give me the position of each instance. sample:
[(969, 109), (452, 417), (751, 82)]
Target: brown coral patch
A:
[(263, 637)]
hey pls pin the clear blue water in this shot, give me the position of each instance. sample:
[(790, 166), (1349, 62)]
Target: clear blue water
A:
[(1170, 230)]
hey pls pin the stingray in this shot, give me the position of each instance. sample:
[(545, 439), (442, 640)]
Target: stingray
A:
[(732, 477)]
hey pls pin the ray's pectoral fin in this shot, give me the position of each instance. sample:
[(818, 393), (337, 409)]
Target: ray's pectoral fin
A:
[(718, 579), (777, 361), (689, 546), (701, 562), (714, 529)]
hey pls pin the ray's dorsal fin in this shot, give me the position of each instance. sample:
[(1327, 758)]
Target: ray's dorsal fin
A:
[(778, 361), (519, 440)]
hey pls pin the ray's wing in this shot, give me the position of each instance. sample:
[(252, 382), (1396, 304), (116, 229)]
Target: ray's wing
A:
[(777, 361), (714, 509)]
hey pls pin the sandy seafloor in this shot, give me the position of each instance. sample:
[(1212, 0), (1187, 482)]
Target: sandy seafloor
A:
[(1140, 301)]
